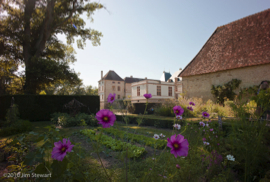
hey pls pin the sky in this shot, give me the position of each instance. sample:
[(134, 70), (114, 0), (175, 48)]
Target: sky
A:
[(143, 38)]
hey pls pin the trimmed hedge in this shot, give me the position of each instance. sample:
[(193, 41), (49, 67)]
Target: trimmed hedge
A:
[(165, 123), (40, 107)]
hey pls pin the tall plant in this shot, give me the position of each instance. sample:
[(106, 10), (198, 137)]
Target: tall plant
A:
[(221, 92)]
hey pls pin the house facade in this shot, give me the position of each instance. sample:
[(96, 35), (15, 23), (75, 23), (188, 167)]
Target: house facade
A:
[(135, 88), (160, 90), (238, 50)]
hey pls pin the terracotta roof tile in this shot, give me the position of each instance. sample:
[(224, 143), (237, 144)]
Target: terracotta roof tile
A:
[(245, 42)]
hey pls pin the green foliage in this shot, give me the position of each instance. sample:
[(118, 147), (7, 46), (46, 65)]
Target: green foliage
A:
[(248, 143), (114, 144), (81, 119), (18, 127), (37, 159), (35, 44), (221, 92), (263, 99)]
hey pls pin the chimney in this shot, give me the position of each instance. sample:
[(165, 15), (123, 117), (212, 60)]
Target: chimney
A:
[(101, 75), (180, 69), (131, 76), (163, 71), (175, 80), (146, 78)]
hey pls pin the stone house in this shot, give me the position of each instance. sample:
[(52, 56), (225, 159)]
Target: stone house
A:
[(238, 50), (135, 88)]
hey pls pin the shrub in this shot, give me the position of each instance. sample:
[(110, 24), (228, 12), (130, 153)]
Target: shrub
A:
[(18, 127), (81, 119)]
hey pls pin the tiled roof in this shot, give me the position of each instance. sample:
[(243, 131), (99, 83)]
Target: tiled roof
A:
[(242, 43), (111, 75), (131, 80), (165, 76)]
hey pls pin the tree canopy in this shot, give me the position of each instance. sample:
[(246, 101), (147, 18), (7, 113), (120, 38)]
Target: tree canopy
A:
[(28, 36)]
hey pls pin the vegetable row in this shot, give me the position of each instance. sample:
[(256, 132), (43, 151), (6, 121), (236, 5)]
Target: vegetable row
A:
[(114, 144), (159, 144)]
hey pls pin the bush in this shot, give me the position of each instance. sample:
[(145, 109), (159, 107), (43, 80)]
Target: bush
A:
[(81, 119), (15, 128)]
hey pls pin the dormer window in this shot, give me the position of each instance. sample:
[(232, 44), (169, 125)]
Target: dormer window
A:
[(113, 82)]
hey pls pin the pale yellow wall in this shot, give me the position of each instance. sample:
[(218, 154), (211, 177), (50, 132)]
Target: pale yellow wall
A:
[(152, 88), (200, 85)]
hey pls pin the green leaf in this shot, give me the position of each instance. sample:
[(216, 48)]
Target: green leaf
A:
[(41, 169), (58, 168)]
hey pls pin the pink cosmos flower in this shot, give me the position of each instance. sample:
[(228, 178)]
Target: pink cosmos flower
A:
[(205, 114), (202, 124), (147, 96), (178, 110), (190, 108), (106, 118), (217, 143), (178, 145), (191, 103), (177, 166), (111, 98), (60, 149), (211, 129), (204, 139)]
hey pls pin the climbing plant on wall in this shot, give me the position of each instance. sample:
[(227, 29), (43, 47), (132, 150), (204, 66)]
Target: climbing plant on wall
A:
[(222, 92)]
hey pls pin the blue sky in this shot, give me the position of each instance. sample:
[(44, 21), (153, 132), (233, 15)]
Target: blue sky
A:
[(143, 38)]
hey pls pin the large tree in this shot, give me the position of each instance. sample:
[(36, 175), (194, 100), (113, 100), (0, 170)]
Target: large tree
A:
[(28, 35)]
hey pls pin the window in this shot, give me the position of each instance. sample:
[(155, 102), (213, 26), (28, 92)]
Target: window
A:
[(118, 96), (170, 91), (102, 97), (99, 89), (102, 88), (118, 88), (159, 90), (176, 96), (138, 91), (113, 88), (176, 88), (118, 82), (112, 82)]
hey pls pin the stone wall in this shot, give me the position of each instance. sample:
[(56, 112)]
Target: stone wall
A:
[(200, 85)]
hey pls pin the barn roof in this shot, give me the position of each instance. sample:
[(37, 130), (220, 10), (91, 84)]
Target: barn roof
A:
[(244, 42)]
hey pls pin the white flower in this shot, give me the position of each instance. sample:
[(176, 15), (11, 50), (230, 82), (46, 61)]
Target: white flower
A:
[(153, 159), (161, 135), (156, 136), (202, 124), (206, 143), (178, 117), (207, 125), (230, 158), (177, 126)]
